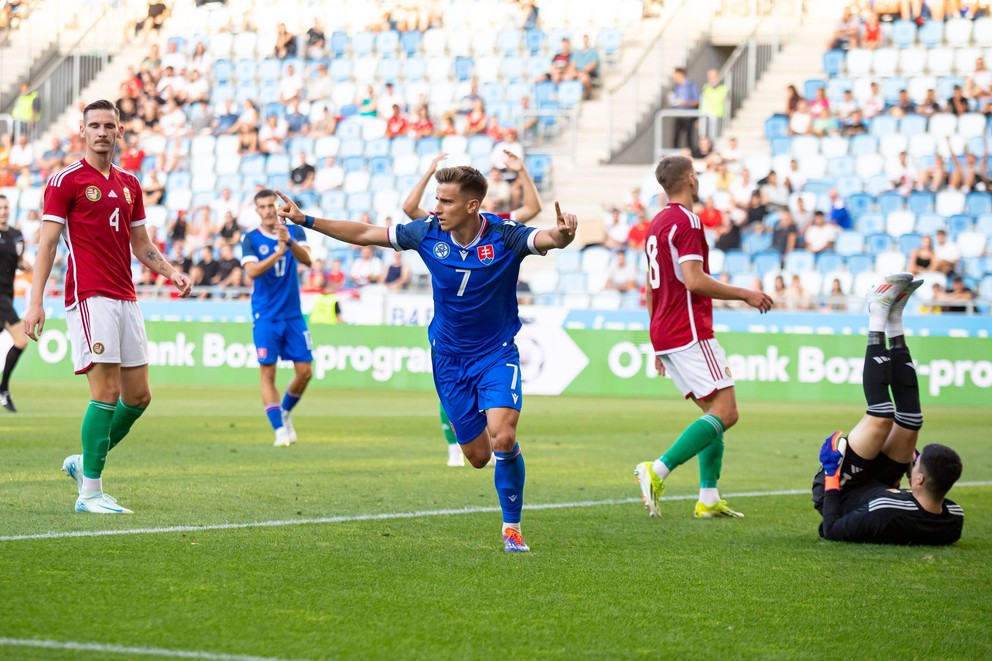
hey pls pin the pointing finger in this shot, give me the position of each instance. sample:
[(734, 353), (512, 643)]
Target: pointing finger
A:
[(558, 210)]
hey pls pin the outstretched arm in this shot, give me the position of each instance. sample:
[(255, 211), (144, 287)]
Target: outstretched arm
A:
[(699, 282), (411, 205), (531, 205), (149, 255), (560, 235), (359, 234)]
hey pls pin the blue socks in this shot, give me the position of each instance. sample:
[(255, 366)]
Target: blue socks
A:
[(289, 400), (509, 478), (274, 413)]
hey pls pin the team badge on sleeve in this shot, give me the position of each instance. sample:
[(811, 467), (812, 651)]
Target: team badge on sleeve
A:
[(441, 250), (263, 353), (93, 193), (486, 254)]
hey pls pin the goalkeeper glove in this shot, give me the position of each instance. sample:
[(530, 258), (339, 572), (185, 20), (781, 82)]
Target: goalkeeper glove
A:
[(831, 456)]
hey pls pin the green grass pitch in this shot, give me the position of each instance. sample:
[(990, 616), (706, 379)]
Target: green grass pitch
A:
[(603, 580)]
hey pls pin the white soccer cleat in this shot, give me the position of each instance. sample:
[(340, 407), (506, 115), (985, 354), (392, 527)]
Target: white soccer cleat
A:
[(73, 469), (455, 456), (100, 503), (288, 424), (895, 311), (282, 438), (888, 292)]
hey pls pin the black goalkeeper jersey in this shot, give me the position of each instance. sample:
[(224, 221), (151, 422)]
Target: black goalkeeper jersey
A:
[(11, 250), (883, 515)]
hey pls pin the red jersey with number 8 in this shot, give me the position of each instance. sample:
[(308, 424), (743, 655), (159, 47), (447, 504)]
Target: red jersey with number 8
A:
[(680, 318), (97, 212)]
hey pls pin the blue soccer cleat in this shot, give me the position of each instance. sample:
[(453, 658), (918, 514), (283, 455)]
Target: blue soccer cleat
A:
[(513, 541)]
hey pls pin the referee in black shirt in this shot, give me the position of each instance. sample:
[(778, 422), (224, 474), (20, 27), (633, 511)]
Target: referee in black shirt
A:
[(856, 491), (11, 259)]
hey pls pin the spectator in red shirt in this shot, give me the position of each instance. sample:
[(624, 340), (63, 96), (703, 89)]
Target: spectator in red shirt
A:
[(133, 156), (477, 119), (335, 278), (639, 232), (397, 124), (422, 126), (709, 215)]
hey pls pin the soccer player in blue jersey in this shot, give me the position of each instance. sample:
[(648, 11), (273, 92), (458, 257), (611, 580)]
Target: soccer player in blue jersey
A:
[(269, 255), (474, 259)]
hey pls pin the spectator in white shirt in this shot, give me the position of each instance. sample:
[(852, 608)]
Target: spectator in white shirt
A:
[(946, 252), (801, 121), (621, 275), (618, 230), (329, 177), (366, 269), (873, 104), (290, 86), (820, 235), (21, 154)]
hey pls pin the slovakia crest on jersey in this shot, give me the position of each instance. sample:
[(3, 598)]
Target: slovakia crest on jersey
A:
[(441, 250), (486, 254)]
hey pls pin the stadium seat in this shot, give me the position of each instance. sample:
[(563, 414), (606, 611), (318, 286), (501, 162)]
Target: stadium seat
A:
[(890, 262), (940, 62), (847, 186), (890, 201), (570, 94), (912, 61), (928, 223), (387, 43), (849, 242), (971, 125), (909, 242), (859, 263), (755, 243), (950, 202), (942, 125), (781, 146), (858, 204), (878, 243), (957, 31), (717, 257), (736, 262), (903, 33), (539, 167), (799, 261), (859, 62), (862, 144), (833, 62), (913, 126), (931, 33), (776, 126), (883, 125), (982, 31), (827, 262), (885, 62), (984, 225), (867, 166), (959, 224)]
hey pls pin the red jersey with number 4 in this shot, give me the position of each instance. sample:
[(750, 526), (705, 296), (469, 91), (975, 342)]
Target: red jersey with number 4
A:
[(97, 212), (680, 318)]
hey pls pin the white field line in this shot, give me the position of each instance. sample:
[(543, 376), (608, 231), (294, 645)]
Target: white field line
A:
[(97, 648), (389, 516)]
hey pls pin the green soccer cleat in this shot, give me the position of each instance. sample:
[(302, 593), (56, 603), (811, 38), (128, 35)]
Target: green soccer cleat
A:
[(718, 511), (652, 487)]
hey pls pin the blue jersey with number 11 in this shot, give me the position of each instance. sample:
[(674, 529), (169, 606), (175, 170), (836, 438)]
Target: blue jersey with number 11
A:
[(276, 294), (475, 286)]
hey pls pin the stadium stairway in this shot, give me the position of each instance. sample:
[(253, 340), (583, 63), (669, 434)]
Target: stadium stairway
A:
[(800, 58)]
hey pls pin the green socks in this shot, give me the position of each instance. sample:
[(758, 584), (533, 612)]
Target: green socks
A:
[(710, 464), (124, 417), (696, 438), (96, 437)]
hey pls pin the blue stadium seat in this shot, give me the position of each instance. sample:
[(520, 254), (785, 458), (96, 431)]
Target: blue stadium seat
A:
[(340, 70), (878, 243), (568, 260), (836, 88), (269, 70), (301, 143), (362, 44), (799, 261), (534, 41), (463, 67), (920, 202), (903, 33), (928, 223), (232, 182), (849, 242), (382, 180), (959, 223), (890, 201), (736, 262), (841, 166), (414, 68), (360, 201), (811, 85), (380, 165), (946, 85), (909, 242), (513, 68), (984, 225), (610, 40), (387, 43), (410, 42), (543, 92), (428, 146), (860, 263), (377, 147), (278, 181), (403, 144), (388, 69), (891, 86), (931, 33), (539, 167), (754, 243), (781, 146), (354, 163), (859, 204), (480, 145), (833, 62), (776, 126), (864, 144), (828, 262), (339, 44), (223, 71), (767, 261), (278, 164), (253, 164), (333, 199), (178, 179), (509, 41), (913, 125), (978, 203), (847, 186), (570, 93), (883, 125)]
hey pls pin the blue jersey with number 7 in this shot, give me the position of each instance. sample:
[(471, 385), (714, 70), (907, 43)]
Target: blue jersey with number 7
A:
[(276, 294), (475, 286)]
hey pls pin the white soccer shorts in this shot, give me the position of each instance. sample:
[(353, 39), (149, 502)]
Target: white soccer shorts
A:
[(105, 330), (700, 370)]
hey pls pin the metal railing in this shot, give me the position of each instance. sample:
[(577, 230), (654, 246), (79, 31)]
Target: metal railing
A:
[(625, 100), (548, 126)]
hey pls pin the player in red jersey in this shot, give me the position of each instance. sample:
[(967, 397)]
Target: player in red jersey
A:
[(97, 209), (680, 301)]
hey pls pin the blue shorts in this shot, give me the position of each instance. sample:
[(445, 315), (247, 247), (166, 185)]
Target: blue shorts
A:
[(468, 386), (288, 339)]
